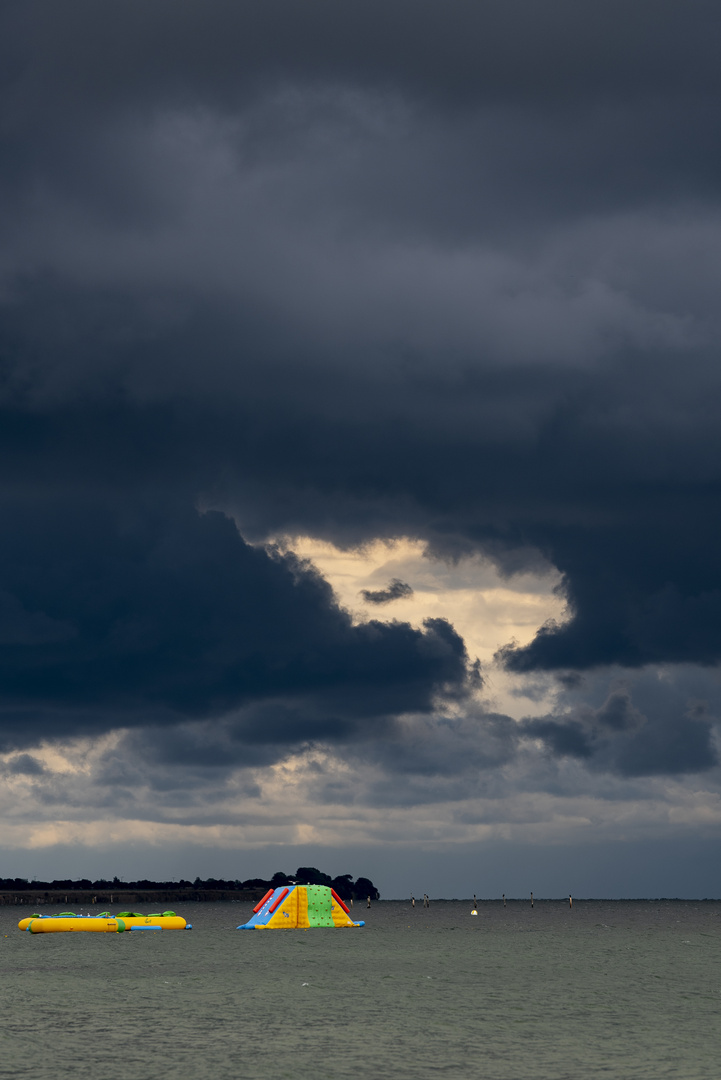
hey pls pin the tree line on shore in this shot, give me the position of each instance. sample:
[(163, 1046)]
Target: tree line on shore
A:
[(346, 887)]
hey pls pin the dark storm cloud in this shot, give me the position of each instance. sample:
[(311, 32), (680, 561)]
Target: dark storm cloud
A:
[(24, 765), (359, 270), (618, 737), (135, 613), (395, 590)]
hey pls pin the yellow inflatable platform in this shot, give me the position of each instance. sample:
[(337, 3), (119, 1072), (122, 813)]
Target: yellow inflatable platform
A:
[(103, 923)]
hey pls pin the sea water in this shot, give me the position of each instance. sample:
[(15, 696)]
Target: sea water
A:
[(605, 989)]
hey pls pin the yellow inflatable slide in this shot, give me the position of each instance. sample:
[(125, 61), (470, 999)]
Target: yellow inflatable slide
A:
[(299, 907)]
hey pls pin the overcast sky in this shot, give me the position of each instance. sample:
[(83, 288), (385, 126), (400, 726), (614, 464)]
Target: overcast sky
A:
[(360, 456)]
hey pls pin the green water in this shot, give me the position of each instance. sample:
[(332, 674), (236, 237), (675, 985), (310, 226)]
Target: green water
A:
[(609, 989)]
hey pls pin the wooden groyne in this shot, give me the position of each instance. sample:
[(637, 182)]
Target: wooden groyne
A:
[(126, 899)]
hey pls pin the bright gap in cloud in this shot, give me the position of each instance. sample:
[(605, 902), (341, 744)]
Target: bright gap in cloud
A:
[(487, 609)]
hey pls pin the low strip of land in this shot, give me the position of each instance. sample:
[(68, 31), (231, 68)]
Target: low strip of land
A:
[(125, 899)]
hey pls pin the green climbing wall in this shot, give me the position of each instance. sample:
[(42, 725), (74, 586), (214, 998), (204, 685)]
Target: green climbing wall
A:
[(320, 906)]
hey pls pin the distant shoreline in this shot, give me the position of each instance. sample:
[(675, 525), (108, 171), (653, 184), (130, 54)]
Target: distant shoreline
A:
[(20, 891), (124, 897)]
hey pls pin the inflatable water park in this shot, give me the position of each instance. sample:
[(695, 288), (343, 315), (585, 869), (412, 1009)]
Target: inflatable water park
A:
[(299, 907), (290, 907), (104, 923)]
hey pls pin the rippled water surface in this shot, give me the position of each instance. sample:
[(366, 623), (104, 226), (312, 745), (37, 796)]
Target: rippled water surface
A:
[(609, 989)]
